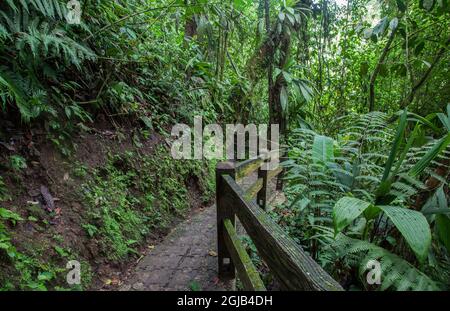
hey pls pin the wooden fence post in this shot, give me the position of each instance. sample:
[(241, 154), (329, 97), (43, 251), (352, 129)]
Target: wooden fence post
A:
[(280, 181), (224, 211), (261, 198)]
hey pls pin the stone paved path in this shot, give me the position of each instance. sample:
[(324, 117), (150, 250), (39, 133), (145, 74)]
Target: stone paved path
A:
[(185, 259)]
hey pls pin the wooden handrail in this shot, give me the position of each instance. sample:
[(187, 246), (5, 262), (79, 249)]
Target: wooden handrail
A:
[(248, 274), (289, 263), (245, 168)]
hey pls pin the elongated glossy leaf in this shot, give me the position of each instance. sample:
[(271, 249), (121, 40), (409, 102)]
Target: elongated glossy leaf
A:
[(287, 76), (395, 146), (322, 149), (426, 121), (445, 119), (380, 28), (426, 4), (283, 98), (443, 229), (346, 210), (420, 166), (393, 23), (413, 226)]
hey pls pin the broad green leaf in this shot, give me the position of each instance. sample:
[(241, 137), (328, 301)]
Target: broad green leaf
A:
[(413, 226), (9, 215), (346, 210), (45, 276), (384, 72), (287, 77), (148, 122), (367, 33), (322, 149), (436, 204)]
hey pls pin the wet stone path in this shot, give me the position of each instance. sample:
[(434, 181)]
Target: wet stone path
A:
[(185, 260)]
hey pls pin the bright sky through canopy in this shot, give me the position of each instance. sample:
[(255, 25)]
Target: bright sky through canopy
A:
[(341, 2)]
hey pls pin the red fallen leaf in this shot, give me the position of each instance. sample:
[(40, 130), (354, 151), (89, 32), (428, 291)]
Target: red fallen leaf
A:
[(58, 211)]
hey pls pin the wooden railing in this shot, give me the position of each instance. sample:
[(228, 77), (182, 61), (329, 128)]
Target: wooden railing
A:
[(290, 265)]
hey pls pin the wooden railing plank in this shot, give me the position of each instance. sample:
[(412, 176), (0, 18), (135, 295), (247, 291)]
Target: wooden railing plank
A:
[(253, 190), (247, 272), (271, 174), (293, 268), (247, 167)]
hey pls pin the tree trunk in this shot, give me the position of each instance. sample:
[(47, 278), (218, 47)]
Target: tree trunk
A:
[(409, 99), (190, 27), (375, 73)]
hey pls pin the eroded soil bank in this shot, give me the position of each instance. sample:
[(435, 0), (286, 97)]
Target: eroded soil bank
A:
[(116, 192)]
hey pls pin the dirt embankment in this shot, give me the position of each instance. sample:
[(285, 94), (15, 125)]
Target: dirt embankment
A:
[(45, 192)]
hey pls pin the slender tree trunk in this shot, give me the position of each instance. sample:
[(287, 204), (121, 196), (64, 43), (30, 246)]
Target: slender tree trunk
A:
[(409, 99), (270, 52), (280, 83), (375, 73), (190, 27)]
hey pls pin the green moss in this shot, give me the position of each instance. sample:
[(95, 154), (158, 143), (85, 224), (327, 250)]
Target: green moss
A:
[(36, 211), (3, 190), (134, 194), (126, 199), (27, 269)]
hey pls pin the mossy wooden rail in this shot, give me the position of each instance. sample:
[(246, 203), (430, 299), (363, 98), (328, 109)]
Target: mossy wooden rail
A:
[(291, 266)]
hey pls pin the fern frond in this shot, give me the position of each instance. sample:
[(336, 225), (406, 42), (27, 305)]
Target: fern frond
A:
[(396, 272)]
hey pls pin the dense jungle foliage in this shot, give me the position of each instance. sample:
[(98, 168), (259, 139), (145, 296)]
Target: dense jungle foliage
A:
[(360, 88)]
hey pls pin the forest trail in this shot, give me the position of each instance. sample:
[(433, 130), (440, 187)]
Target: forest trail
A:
[(187, 258)]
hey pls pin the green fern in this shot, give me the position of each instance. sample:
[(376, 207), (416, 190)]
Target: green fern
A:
[(35, 32), (396, 273), (356, 168)]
